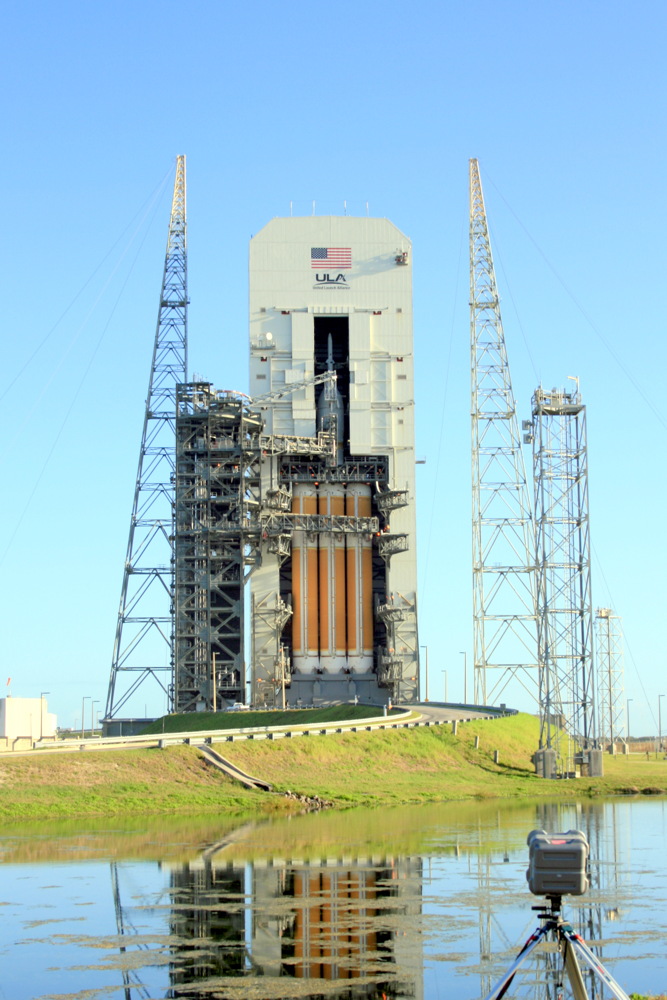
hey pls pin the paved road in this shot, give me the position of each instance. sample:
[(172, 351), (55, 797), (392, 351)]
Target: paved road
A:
[(433, 711), (424, 712)]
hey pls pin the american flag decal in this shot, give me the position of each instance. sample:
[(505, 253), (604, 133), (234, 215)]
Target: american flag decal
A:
[(335, 256)]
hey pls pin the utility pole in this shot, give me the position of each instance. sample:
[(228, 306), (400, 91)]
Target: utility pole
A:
[(41, 713), (609, 661), (504, 629), (465, 676), (425, 670), (660, 697), (143, 643)]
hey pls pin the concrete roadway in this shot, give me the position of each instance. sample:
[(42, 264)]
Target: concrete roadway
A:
[(421, 712), (438, 711)]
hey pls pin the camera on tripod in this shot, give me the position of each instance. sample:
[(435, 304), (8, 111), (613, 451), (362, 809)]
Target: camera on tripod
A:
[(558, 866), (557, 863)]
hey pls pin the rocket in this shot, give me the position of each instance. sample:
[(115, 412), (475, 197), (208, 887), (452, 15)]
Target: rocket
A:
[(330, 407)]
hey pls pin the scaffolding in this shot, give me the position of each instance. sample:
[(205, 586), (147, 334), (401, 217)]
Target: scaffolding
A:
[(502, 521), (223, 519), (610, 670), (143, 642), (565, 617), (217, 539)]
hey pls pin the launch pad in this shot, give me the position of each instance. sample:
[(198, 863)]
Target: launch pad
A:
[(304, 489)]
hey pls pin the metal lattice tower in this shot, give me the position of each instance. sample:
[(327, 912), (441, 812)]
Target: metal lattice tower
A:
[(502, 523), (143, 644), (610, 672), (224, 520), (565, 617), (217, 539)]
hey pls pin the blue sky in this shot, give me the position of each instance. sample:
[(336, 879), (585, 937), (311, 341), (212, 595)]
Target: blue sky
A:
[(383, 103)]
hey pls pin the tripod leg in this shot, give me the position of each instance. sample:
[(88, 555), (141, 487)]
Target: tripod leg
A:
[(579, 991), (502, 985), (589, 958)]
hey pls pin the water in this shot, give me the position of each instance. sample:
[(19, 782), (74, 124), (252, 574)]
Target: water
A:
[(420, 902)]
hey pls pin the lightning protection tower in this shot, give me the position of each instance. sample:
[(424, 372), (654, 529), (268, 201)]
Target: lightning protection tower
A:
[(565, 616), (143, 645), (609, 659), (502, 522)]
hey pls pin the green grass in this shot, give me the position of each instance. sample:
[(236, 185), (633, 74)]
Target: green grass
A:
[(399, 766), (121, 783), (204, 721), (429, 765), (388, 767)]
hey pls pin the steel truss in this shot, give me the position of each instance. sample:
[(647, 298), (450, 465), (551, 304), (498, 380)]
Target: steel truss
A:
[(142, 646), (610, 672), (565, 617), (218, 532), (371, 469), (222, 520), (399, 617), (502, 522)]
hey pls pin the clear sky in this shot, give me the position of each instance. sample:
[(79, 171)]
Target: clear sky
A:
[(563, 104)]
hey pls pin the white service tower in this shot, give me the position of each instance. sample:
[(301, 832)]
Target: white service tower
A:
[(333, 601)]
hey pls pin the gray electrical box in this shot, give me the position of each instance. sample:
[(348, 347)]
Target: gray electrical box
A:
[(557, 863)]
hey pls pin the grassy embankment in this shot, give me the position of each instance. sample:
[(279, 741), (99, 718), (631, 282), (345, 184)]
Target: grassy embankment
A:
[(422, 765), (193, 722), (387, 767)]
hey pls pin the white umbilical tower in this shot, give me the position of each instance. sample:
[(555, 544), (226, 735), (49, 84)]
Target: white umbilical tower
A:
[(503, 536), (565, 616)]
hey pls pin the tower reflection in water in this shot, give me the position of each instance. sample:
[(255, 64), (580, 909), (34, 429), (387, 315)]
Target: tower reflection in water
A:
[(585, 913), (350, 925)]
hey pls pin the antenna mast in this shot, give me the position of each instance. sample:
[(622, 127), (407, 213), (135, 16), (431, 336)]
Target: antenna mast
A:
[(610, 673), (504, 622), (143, 644)]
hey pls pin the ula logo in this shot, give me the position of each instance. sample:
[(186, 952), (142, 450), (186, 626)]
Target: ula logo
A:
[(327, 279)]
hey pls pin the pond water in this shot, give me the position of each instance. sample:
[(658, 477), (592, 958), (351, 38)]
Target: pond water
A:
[(419, 902)]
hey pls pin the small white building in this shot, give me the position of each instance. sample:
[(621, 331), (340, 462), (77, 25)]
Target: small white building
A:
[(26, 718)]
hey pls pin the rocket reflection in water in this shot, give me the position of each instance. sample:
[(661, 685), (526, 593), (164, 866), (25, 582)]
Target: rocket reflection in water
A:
[(335, 922)]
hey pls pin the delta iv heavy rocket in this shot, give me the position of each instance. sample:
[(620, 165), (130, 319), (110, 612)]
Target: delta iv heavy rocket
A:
[(333, 609)]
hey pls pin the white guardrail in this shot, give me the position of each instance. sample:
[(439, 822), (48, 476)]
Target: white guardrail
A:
[(401, 721)]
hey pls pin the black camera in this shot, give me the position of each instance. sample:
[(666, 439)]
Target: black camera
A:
[(557, 863)]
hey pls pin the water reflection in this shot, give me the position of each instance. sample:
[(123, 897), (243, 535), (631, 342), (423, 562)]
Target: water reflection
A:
[(599, 823), (401, 903), (350, 925)]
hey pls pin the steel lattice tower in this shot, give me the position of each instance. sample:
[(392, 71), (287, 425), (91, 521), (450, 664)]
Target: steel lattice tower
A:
[(143, 644), (609, 659), (502, 522), (565, 617)]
